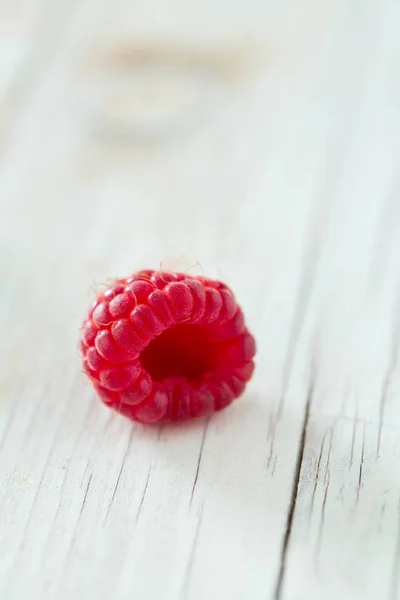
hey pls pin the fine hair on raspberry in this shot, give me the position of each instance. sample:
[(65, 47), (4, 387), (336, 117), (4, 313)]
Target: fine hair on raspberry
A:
[(162, 346)]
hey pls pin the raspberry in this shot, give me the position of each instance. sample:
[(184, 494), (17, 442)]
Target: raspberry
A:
[(162, 346)]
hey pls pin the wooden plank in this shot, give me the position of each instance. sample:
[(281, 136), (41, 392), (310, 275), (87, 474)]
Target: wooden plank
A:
[(270, 178), (344, 539), (31, 32)]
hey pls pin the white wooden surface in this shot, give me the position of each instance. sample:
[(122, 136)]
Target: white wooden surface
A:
[(262, 140)]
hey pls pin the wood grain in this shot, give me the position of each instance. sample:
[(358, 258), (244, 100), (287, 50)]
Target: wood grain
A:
[(260, 140)]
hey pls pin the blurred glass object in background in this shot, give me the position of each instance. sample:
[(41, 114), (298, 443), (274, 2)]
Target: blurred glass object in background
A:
[(149, 91)]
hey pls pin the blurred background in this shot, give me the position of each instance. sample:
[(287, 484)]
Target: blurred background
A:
[(257, 142)]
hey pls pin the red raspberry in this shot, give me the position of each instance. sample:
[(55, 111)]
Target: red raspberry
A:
[(164, 347)]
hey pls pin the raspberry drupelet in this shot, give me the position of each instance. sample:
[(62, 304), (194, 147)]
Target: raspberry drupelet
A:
[(161, 346)]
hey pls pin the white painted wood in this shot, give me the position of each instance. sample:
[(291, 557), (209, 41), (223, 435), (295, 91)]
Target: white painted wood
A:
[(262, 140)]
